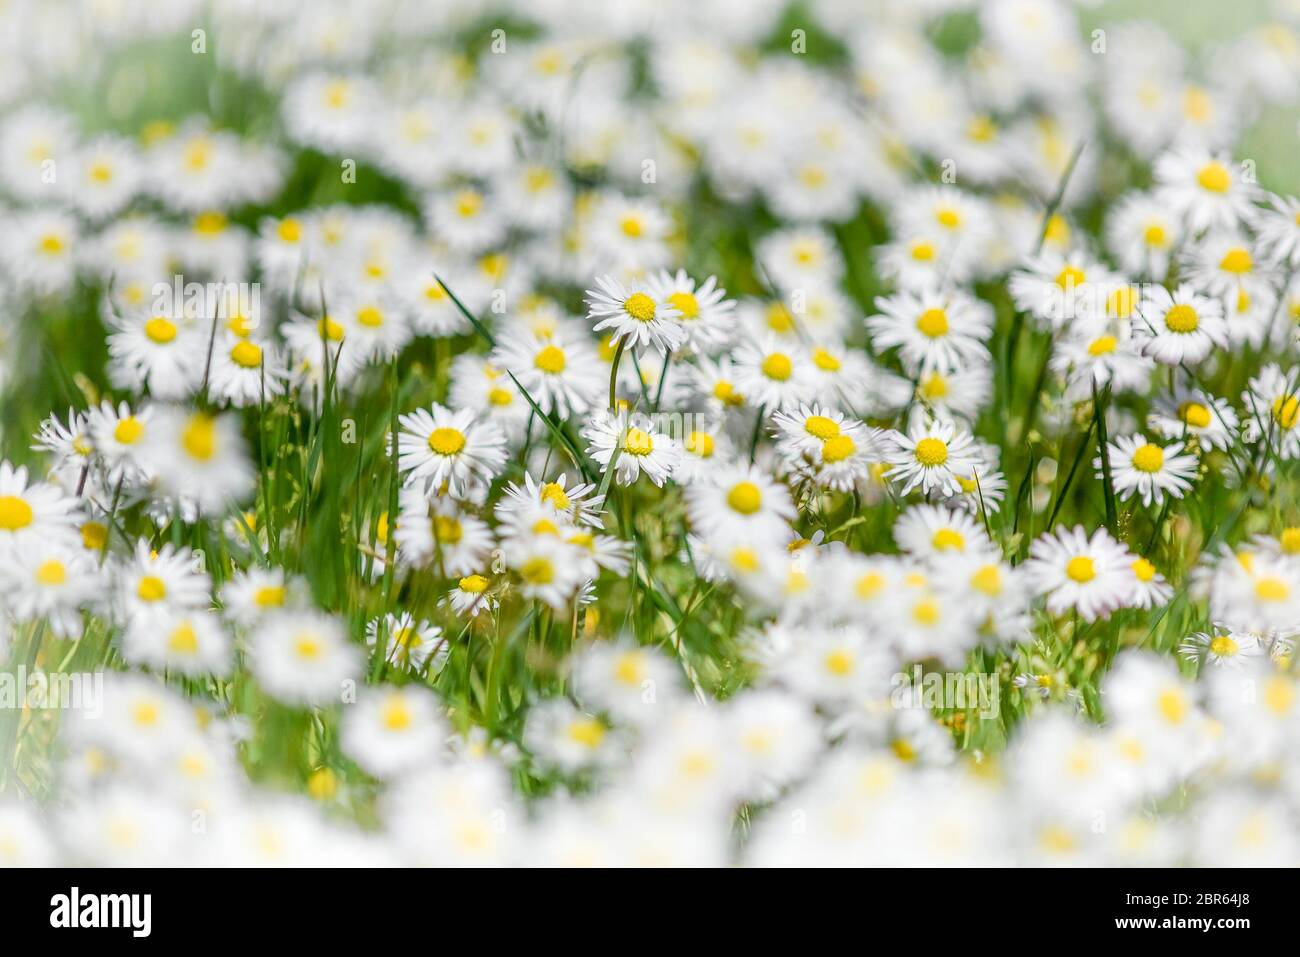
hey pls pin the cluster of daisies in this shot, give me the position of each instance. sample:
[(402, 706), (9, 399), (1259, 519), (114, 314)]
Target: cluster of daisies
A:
[(610, 485)]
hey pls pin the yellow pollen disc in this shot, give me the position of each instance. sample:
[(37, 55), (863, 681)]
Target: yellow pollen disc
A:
[(396, 714), (447, 530), (210, 223), (146, 713), (947, 217), (988, 579), (552, 492), (1080, 569), (1194, 414), (745, 560), (101, 173), (1182, 318), (537, 571), (637, 442), (1214, 177), (587, 732), (701, 444), (1143, 570), (922, 252), (778, 318), (94, 535), (269, 596), (903, 750), (1058, 230), (1290, 540), (1149, 458), (51, 244), (640, 307), (499, 396), (184, 639), (1236, 261), (550, 360), (686, 304), (160, 330), (330, 329), (370, 317), (1279, 694), (981, 129), (839, 662), (289, 230), (933, 323), (468, 203), (869, 585), (632, 227), (931, 452), (474, 584), (307, 646), (51, 572), (934, 386), (1272, 589), (199, 437), (446, 441), (821, 427), (968, 484), (1286, 409), (323, 784), (1102, 345), (1121, 303), (837, 448), (948, 539), (1155, 235), (726, 393), (745, 498), (778, 366), (381, 528), (246, 355), (925, 613), (151, 588), (825, 361), (1223, 647), (1173, 705), (1070, 277), (813, 176)]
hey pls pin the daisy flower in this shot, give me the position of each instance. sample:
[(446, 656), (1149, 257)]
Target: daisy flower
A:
[(52, 580), (409, 643), (191, 643), (451, 540), (1224, 264), (198, 458), (150, 584), (559, 735), (1277, 231), (439, 447), (1191, 414), (161, 353), (1233, 649), (772, 374), (547, 567), (1056, 287), (33, 512), (563, 375), (471, 596), (1141, 468), (390, 730), (303, 658), (933, 331), (575, 501), (932, 457), (1204, 189), (636, 316), (1182, 326), (1150, 590), (703, 311), (802, 258), (1142, 234), (118, 435), (704, 450), (631, 446), (253, 594), (1099, 354), (932, 532), (741, 503), (1272, 410), (1090, 575)]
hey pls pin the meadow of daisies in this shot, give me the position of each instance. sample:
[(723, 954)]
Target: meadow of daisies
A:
[(663, 432)]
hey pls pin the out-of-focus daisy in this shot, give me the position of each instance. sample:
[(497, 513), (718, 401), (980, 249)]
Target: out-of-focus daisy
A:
[(934, 331), (303, 658), (1089, 575)]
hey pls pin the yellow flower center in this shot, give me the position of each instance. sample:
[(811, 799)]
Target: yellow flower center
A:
[(1102, 345), (825, 361), (210, 223), (474, 584), (552, 492), (51, 244), (1143, 570), (1272, 589), (1236, 261), (637, 442), (151, 588), (94, 535), (499, 396), (160, 330), (1155, 235), (396, 715), (587, 732), (246, 354), (778, 366), (988, 579), (1286, 409), (537, 571), (922, 252), (269, 596), (15, 513), (933, 323), (632, 226), (947, 217), (931, 452), (1173, 705), (1182, 318), (948, 539), (51, 572), (550, 360), (307, 646), (447, 530), (1223, 647), (1070, 277), (686, 304), (289, 230), (184, 639), (468, 203), (1121, 302), (1290, 540), (370, 317), (330, 329), (726, 393), (1214, 177), (821, 427), (446, 441), (837, 448), (925, 613), (1194, 414), (745, 498), (199, 437), (839, 662), (640, 307), (1149, 458), (1080, 569), (701, 444)]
